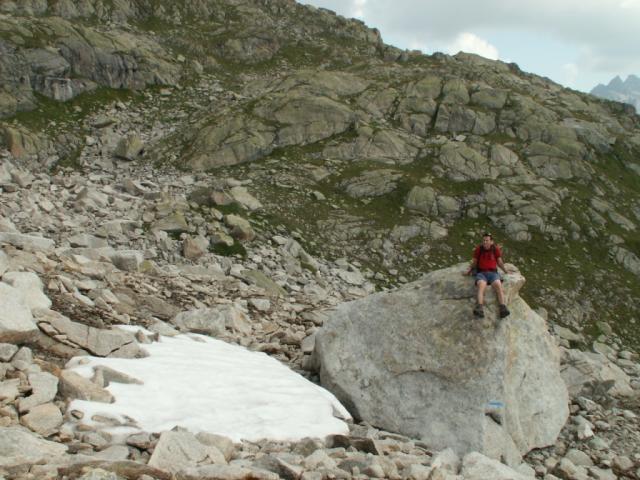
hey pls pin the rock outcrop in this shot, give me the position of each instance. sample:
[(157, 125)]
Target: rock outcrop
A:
[(417, 362)]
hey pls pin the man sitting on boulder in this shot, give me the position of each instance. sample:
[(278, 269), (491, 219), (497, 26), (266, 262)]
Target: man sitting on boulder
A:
[(487, 257)]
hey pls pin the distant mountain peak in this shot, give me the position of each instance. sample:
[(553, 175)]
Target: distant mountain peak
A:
[(627, 91), (633, 81), (616, 82)]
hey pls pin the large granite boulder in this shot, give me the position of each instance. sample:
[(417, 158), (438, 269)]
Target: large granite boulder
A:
[(416, 361), (29, 289), (16, 321), (19, 447)]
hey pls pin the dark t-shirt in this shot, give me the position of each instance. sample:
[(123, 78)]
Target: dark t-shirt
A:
[(487, 261)]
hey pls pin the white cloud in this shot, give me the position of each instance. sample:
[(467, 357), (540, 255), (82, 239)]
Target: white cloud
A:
[(358, 8), (608, 28), (600, 37), (470, 43)]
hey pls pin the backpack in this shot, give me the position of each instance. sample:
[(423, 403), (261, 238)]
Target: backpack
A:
[(475, 270)]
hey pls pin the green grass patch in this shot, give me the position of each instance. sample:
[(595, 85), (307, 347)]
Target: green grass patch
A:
[(229, 250), (70, 160), (613, 166), (72, 112), (231, 209)]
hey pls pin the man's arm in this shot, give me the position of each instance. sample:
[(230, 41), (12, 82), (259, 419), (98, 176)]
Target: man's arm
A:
[(502, 266), (474, 262)]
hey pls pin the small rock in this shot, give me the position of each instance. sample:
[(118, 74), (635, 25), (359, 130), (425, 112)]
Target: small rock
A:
[(567, 470), (260, 304), (143, 441), (75, 386), (96, 439), (44, 389), (622, 463), (221, 238), (240, 228), (177, 450), (7, 351), (584, 431), (44, 419), (245, 199), (129, 147), (127, 260), (597, 443), (194, 248), (114, 453), (579, 458), (602, 474), (222, 443)]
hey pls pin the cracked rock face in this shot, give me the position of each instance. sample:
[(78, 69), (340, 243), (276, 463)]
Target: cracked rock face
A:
[(417, 362)]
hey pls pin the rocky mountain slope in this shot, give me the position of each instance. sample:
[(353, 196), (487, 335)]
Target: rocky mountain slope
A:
[(627, 91), (395, 158), (270, 160), (77, 259)]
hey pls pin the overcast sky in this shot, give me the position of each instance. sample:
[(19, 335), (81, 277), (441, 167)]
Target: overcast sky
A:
[(577, 43)]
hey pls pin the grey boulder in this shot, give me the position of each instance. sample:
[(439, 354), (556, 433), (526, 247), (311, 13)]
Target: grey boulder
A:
[(177, 450), (129, 147), (44, 419), (590, 370), (212, 321), (27, 242), (416, 361), (16, 321), (29, 288), (476, 466), (19, 447), (44, 388), (73, 385)]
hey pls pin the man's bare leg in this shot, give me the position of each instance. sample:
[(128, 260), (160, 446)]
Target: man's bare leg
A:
[(482, 285), (497, 286), (478, 310)]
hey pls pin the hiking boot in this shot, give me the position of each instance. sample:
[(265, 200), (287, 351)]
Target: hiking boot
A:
[(478, 311), (504, 311)]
